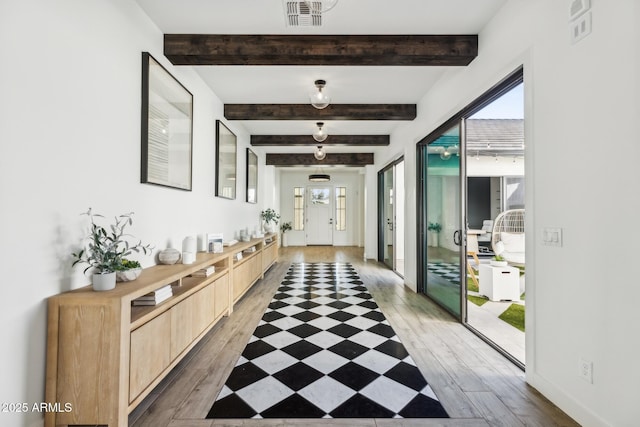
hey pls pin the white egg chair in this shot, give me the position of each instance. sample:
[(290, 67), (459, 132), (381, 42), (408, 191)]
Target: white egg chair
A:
[(507, 237)]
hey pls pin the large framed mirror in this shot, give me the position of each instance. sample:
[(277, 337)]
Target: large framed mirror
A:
[(226, 162), (167, 128), (252, 177)]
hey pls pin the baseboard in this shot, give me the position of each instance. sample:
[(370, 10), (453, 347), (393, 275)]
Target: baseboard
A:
[(566, 403)]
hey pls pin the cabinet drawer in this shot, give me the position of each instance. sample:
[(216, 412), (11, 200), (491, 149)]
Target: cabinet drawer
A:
[(221, 295), (203, 312), (150, 353), (269, 255), (181, 326)]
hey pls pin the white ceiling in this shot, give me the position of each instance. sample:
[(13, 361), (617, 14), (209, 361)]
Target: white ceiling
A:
[(292, 84)]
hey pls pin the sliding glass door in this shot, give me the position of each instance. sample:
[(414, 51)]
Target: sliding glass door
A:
[(441, 246), (481, 147), (391, 216), (388, 217)]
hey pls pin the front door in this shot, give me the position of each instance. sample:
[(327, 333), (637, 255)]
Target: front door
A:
[(319, 216)]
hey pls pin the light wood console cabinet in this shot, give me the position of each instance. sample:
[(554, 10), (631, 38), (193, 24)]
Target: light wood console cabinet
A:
[(104, 356)]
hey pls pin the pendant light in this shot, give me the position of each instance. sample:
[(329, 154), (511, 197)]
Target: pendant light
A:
[(320, 154), (320, 135), (319, 99), (319, 177)]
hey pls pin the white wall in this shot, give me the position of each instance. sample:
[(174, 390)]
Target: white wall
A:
[(581, 100), (349, 179), (70, 86), (370, 212)]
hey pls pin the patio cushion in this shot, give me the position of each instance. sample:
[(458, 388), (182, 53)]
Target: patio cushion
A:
[(513, 244)]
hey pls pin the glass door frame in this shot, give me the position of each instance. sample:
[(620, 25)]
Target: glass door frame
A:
[(421, 214), (382, 223), (497, 91)]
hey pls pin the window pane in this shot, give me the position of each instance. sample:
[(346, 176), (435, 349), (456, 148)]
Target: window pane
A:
[(298, 208), (320, 196), (341, 208)]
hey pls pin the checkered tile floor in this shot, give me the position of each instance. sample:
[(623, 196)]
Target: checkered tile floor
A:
[(323, 349), (446, 270)]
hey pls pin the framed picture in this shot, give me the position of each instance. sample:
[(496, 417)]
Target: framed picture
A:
[(252, 177), (167, 128), (215, 243), (226, 156)]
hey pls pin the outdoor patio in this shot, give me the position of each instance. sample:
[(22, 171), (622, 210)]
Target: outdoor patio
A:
[(443, 279)]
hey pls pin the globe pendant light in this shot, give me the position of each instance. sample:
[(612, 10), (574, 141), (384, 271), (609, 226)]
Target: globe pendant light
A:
[(319, 99), (320, 135)]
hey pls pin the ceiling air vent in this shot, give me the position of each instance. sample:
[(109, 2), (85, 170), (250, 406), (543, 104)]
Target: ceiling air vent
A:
[(298, 14)]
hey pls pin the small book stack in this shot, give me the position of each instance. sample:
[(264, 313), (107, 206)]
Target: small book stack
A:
[(250, 250), (204, 272), (155, 297), (230, 242)]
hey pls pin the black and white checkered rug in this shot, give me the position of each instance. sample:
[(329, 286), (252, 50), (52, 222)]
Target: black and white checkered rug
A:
[(447, 270), (323, 349)]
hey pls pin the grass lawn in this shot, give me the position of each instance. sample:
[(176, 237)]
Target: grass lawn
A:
[(514, 315), (472, 286), (477, 300)]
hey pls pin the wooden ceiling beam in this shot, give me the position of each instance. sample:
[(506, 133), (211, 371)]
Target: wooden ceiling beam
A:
[(308, 112), (307, 159), (307, 140), (366, 50)]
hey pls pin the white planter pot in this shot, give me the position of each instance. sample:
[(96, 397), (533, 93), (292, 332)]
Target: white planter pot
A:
[(434, 238), (103, 282), (128, 275), (285, 239), (270, 227)]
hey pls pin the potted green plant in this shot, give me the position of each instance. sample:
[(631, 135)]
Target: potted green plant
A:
[(270, 219), (286, 226), (498, 261), (106, 250), (434, 228), (128, 270)]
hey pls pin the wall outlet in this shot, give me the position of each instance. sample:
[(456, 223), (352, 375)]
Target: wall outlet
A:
[(585, 370)]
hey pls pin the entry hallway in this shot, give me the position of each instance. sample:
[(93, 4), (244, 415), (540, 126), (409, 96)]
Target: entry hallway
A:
[(476, 385)]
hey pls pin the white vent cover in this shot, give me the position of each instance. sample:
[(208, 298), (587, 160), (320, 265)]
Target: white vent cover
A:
[(298, 14)]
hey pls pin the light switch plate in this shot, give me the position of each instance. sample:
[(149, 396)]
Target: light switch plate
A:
[(580, 28), (552, 236), (578, 7)]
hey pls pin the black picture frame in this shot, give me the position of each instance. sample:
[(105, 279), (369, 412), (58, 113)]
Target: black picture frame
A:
[(166, 128), (226, 161), (252, 176)]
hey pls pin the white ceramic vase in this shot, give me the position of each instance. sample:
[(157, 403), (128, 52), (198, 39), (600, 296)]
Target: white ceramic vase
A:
[(104, 281), (269, 227), (285, 239)]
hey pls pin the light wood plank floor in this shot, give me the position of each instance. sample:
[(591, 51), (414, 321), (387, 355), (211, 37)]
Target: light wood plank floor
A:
[(476, 385)]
